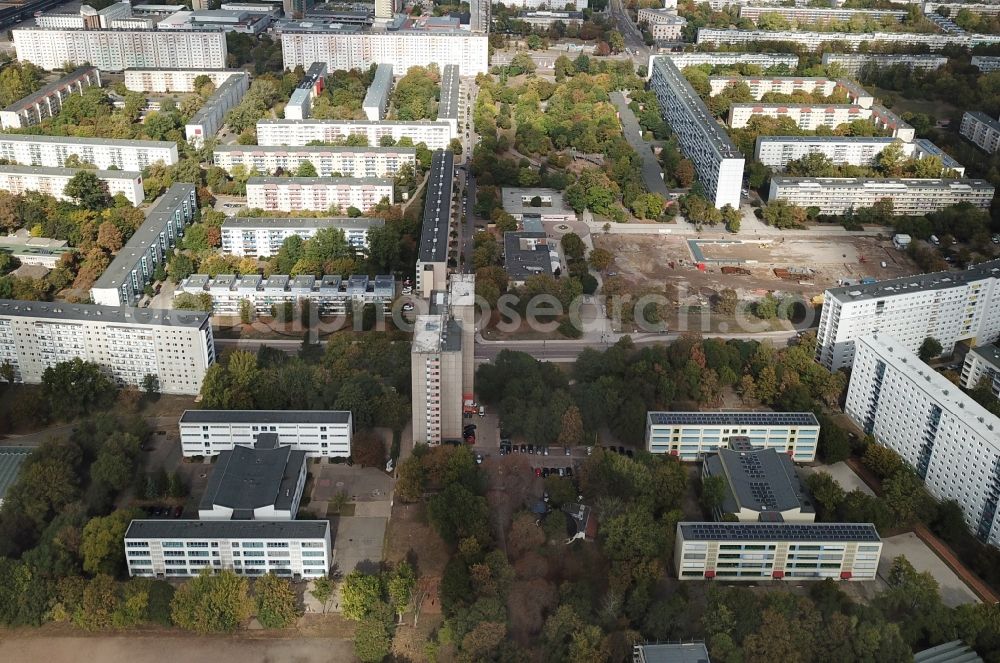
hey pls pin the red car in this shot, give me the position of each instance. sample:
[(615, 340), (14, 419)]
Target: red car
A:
[(538, 471)]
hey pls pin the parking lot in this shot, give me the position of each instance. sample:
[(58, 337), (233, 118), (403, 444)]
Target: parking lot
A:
[(954, 592)]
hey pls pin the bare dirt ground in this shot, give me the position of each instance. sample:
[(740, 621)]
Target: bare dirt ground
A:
[(646, 260)]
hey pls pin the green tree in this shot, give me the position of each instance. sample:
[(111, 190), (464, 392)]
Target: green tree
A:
[(151, 384), (361, 594), (306, 169), (103, 542), (929, 349), (571, 431), (400, 588), (573, 246), (713, 492), (75, 387), (116, 460), (616, 41), (212, 603), (322, 591), (373, 637), (88, 191), (276, 602), (883, 461), (601, 259)]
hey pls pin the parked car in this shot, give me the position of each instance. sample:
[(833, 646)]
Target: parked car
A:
[(621, 450), (628, 452), (545, 451), (482, 410), (178, 510), (562, 472), (538, 471), (524, 448), (479, 459), (531, 448), (545, 472), (569, 471), (568, 451)]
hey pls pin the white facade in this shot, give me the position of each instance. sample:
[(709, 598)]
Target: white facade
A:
[(716, 160), (695, 59), (810, 117), (182, 548), (52, 151), (813, 40), (765, 551), (986, 63), (209, 119), (128, 344), (319, 433), (47, 102), (376, 100), (761, 85), (663, 24), (262, 237), (950, 306), (982, 363), (117, 50), (330, 295), (820, 14), (951, 441), (579, 5), (402, 49), (328, 161), (52, 181), (851, 63), (982, 130), (434, 134), (134, 266), (174, 80), (910, 197), (691, 435), (289, 194), (776, 151), (981, 9), (299, 105)]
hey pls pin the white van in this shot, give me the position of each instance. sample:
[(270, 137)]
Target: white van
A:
[(935, 241)]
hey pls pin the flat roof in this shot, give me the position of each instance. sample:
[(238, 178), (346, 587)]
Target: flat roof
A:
[(247, 478), (861, 140), (451, 92), (74, 140), (732, 419), (512, 200), (436, 333), (379, 89), (907, 284), (95, 313), (956, 651), (50, 89), (314, 149), (227, 529), (265, 416), (692, 652), (205, 70), (980, 116), (880, 183), (70, 172), (437, 208), (321, 181), (988, 353), (527, 254), (218, 98), (300, 96), (352, 123), (697, 111), (11, 459), (302, 222), (759, 480), (158, 217), (833, 532)]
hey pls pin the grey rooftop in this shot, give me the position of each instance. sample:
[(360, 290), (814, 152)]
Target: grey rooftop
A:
[(437, 208), (989, 354), (301, 222), (139, 530), (819, 532), (74, 140), (759, 480), (696, 110), (920, 282), (94, 313), (265, 417), (379, 88), (217, 98), (314, 149), (451, 89), (247, 478), (881, 183), (50, 89), (69, 172), (322, 181), (732, 419)]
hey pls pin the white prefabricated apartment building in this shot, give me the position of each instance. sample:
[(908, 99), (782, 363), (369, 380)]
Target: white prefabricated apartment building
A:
[(952, 442), (176, 347), (183, 548), (319, 433), (435, 134), (982, 363), (950, 306), (104, 153), (173, 80), (691, 435), (53, 181), (287, 194), (262, 237), (328, 161), (47, 101), (910, 197)]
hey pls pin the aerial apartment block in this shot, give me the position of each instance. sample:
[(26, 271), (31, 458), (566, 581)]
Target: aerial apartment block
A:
[(982, 130), (183, 548), (978, 8), (318, 433), (52, 151), (986, 63), (47, 102), (910, 197), (127, 343), (761, 85), (174, 80), (435, 134), (123, 282), (329, 161), (262, 237), (810, 117), (814, 40), (442, 362), (117, 50), (350, 47), (53, 181), (692, 435), (208, 120), (716, 160), (329, 295), (290, 194), (776, 151), (663, 24), (950, 306), (376, 101), (695, 59), (852, 63), (779, 551), (451, 102), (432, 255), (801, 15), (982, 363), (952, 442)]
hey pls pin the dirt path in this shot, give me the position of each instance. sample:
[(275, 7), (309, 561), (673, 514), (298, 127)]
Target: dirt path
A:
[(170, 649)]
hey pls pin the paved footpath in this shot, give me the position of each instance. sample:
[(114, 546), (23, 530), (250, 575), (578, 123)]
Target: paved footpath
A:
[(651, 170)]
